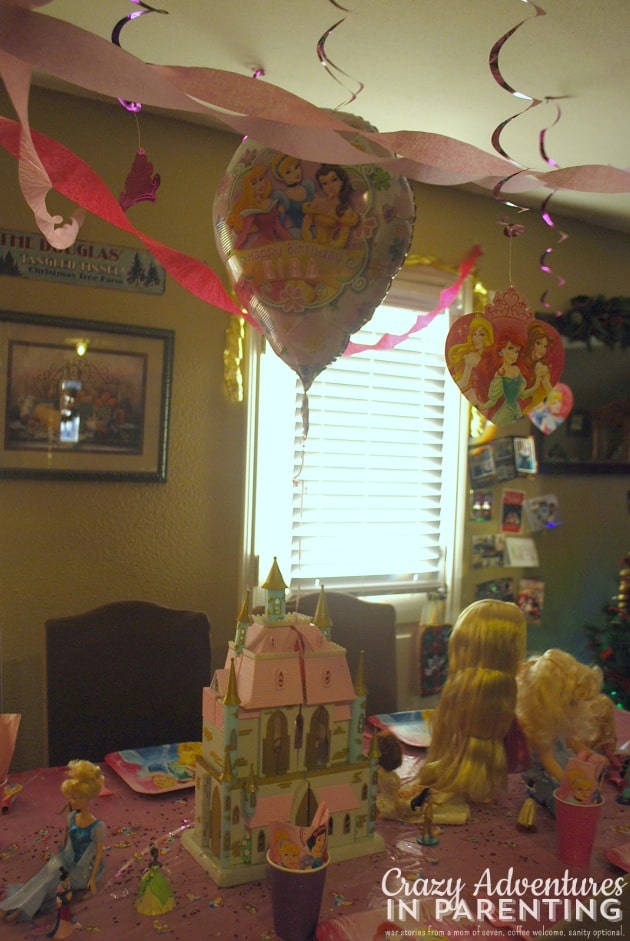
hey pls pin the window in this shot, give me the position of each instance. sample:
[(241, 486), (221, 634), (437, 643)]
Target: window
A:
[(368, 503)]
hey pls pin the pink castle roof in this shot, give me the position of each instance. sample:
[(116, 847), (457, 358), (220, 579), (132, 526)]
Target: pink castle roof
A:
[(288, 663), (337, 797), (274, 807)]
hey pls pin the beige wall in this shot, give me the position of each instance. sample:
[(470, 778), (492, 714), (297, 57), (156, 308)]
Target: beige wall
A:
[(66, 546)]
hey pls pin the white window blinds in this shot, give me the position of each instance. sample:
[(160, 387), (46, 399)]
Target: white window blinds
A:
[(368, 504)]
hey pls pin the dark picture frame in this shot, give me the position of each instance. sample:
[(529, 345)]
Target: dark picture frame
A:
[(84, 399)]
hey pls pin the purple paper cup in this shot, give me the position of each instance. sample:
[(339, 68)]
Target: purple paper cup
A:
[(296, 899)]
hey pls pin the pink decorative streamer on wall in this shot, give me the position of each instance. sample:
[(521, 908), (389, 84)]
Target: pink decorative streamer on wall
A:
[(447, 296)]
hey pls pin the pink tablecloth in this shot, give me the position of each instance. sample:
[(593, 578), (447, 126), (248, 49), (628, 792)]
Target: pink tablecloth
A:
[(489, 843)]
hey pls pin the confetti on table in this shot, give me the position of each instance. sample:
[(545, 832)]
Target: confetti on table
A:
[(161, 927), (340, 899)]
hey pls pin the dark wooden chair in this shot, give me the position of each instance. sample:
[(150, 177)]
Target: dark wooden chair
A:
[(368, 626), (125, 675)]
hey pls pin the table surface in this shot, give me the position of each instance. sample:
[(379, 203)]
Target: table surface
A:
[(33, 827)]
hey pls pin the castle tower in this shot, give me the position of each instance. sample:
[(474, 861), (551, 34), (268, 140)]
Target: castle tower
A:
[(322, 617), (251, 787), (242, 623), (275, 587), (355, 731), (231, 702), (225, 786), (373, 755)]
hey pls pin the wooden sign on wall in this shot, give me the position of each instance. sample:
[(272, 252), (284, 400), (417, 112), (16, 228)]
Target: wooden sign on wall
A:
[(87, 264)]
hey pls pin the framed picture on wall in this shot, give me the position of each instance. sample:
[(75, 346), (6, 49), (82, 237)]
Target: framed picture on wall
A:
[(525, 455), (82, 400), (481, 464)]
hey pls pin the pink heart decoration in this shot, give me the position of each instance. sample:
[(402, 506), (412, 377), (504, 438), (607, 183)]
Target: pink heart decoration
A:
[(554, 410), (504, 360), (310, 249)]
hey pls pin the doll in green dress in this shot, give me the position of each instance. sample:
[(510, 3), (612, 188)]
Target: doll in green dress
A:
[(155, 895)]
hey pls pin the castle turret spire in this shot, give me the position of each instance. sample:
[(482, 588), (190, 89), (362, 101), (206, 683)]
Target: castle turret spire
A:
[(322, 617), (231, 694), (242, 623), (275, 587)]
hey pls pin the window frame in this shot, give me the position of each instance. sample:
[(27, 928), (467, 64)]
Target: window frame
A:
[(416, 287)]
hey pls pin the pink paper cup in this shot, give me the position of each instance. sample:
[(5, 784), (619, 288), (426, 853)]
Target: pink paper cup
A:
[(576, 826), (296, 899)]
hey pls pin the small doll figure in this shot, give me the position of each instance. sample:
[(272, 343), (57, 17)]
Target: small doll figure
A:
[(64, 926), (155, 895), (389, 782), (424, 799), (408, 802), (81, 852)]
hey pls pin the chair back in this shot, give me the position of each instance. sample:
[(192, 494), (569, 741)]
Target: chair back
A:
[(125, 675), (368, 626)]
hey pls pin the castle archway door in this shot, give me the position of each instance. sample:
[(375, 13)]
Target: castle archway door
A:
[(306, 809)]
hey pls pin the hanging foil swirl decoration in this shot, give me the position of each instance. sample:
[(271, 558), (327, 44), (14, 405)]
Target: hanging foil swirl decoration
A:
[(133, 106), (545, 258), (512, 230), (333, 70), (499, 78)]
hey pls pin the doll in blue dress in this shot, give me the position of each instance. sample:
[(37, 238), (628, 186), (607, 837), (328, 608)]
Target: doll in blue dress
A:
[(81, 853)]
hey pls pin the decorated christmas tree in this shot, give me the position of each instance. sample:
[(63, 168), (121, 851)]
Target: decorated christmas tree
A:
[(611, 642)]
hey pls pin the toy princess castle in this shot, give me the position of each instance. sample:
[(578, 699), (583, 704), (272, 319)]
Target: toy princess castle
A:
[(282, 732)]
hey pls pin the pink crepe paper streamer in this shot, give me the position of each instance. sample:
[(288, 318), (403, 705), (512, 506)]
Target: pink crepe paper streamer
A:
[(34, 181), (253, 107), (449, 294), (139, 185), (133, 106), (74, 179)]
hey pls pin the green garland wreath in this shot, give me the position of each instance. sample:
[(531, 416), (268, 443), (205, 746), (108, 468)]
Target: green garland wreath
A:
[(606, 320)]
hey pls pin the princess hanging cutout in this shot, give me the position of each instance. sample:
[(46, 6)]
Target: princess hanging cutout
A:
[(504, 360)]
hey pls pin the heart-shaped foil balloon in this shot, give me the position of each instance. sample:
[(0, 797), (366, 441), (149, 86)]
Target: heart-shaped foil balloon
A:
[(504, 361), (554, 410), (311, 248)]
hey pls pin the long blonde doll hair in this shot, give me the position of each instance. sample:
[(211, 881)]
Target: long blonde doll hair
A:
[(467, 756), (556, 695)]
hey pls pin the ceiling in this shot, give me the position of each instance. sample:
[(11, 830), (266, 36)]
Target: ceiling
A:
[(424, 67)]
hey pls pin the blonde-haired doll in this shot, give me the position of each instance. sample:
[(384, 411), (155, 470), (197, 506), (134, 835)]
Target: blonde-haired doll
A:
[(555, 708), (467, 756), (81, 852)]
